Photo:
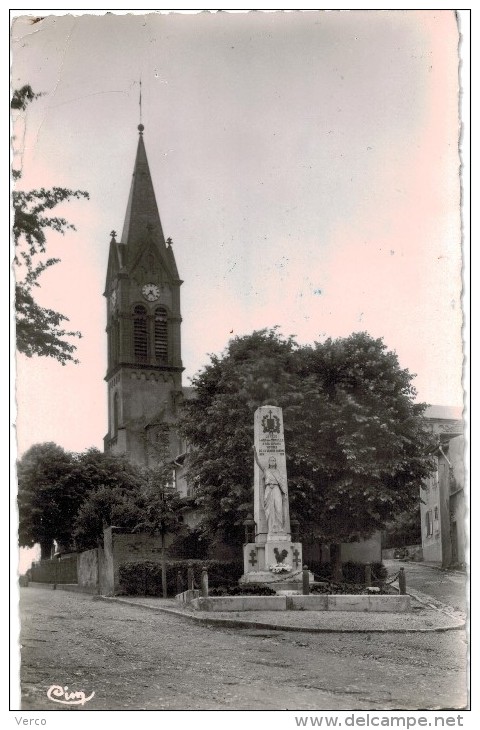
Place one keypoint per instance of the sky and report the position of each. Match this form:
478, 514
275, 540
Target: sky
305, 164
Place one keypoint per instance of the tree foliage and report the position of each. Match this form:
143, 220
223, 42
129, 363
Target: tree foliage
56, 490
47, 502
161, 506
71, 497
110, 499
356, 443
40, 331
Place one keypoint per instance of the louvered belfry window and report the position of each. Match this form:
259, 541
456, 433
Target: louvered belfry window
140, 333
161, 334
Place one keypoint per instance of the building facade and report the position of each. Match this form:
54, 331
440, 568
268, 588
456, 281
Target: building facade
442, 498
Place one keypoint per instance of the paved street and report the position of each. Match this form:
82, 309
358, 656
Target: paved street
449, 587
137, 659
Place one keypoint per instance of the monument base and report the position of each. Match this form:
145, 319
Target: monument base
263, 562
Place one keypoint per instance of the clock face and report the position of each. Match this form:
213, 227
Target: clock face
113, 298
151, 292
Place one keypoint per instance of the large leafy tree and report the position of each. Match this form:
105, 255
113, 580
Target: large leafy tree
356, 442
124, 495
40, 331
47, 503
112, 497
71, 497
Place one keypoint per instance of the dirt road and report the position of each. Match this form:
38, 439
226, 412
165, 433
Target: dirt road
136, 659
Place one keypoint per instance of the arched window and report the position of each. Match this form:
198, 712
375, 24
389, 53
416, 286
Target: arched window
161, 334
115, 414
140, 333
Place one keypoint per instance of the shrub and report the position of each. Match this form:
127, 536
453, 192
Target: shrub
250, 589
346, 589
145, 578
352, 572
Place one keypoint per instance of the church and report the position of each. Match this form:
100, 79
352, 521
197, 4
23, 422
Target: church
142, 291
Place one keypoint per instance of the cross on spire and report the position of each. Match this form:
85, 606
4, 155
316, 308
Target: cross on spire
140, 100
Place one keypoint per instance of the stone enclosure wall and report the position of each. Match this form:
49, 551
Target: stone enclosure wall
414, 552
97, 570
56, 570
88, 570
124, 547
360, 551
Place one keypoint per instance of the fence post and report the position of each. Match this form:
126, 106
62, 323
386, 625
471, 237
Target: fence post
305, 581
368, 575
179, 582
190, 578
204, 582
402, 582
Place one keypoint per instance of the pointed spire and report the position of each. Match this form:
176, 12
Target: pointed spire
171, 258
142, 212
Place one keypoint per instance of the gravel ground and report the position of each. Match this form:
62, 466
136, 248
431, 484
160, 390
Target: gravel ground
134, 658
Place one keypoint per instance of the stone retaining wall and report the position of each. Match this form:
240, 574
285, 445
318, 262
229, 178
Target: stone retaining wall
187, 596
361, 603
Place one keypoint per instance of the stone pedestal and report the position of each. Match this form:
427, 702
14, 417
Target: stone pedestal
258, 557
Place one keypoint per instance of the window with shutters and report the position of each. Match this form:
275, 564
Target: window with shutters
161, 334
140, 333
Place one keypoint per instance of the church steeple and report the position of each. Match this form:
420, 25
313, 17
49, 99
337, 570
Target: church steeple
142, 211
143, 322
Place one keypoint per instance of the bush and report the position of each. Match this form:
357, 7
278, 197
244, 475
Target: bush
346, 589
352, 572
144, 578
250, 589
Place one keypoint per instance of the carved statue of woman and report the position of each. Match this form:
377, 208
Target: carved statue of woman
274, 496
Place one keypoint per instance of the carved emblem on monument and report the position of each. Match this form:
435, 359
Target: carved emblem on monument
270, 423
280, 556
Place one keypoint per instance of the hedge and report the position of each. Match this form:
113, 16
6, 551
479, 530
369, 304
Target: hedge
249, 589
352, 572
144, 578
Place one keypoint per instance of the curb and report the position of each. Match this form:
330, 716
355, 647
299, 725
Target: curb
238, 623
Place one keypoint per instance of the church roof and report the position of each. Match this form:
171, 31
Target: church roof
142, 211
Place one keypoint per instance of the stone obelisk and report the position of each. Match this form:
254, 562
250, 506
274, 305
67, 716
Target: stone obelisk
271, 512
272, 558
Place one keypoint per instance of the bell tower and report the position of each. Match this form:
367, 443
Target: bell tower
142, 291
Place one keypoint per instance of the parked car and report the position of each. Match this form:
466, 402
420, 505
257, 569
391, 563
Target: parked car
401, 554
